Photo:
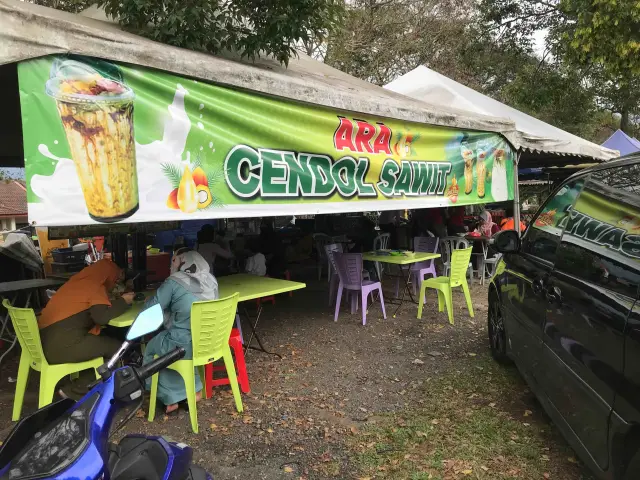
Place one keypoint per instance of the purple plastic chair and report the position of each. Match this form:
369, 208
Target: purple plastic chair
333, 276
349, 269
420, 269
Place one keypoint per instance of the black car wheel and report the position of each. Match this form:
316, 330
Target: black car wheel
497, 334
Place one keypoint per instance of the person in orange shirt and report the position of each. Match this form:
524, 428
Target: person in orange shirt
508, 222
70, 323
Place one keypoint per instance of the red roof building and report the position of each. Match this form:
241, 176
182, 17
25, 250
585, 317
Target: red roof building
13, 205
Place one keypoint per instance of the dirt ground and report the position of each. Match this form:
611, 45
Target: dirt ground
398, 398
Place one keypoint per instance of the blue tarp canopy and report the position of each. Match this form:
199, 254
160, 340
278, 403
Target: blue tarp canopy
622, 142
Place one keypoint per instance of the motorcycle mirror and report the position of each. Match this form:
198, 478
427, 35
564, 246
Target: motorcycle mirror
147, 321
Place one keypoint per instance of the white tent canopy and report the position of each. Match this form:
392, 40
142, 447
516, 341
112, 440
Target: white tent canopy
534, 137
30, 31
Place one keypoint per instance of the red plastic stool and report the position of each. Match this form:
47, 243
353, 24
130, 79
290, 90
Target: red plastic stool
235, 342
287, 276
270, 298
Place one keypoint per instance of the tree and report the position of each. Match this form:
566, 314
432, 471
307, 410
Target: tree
249, 27
620, 95
380, 40
604, 36
512, 73
73, 6
600, 38
603, 32
6, 175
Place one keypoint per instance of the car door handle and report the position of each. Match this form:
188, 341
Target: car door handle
537, 286
554, 295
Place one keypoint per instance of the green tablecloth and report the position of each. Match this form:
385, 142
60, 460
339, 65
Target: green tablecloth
250, 287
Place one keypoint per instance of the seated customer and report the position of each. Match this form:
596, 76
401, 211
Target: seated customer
210, 250
456, 221
508, 222
273, 248
190, 281
486, 226
70, 323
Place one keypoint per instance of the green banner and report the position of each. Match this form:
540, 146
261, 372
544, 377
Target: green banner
606, 223
595, 217
109, 143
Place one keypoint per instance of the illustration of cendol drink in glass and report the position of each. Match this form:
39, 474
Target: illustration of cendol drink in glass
481, 169
467, 156
499, 189
97, 116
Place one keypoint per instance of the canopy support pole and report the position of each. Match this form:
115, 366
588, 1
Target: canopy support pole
516, 195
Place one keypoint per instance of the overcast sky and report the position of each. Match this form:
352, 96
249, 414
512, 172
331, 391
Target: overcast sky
538, 40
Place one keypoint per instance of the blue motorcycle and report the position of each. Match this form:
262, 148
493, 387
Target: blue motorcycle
69, 440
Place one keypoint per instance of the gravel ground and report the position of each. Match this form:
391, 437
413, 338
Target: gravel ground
307, 410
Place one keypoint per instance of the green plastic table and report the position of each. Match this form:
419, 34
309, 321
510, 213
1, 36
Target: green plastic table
127, 318
250, 287
408, 258
413, 257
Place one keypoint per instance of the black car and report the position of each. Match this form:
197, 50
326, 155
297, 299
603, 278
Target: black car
563, 305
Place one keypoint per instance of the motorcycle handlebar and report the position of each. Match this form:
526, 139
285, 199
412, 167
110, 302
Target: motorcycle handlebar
158, 364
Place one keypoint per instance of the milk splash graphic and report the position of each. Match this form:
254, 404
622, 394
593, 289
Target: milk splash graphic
62, 189
499, 188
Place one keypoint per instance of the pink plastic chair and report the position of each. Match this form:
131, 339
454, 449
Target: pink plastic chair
420, 269
349, 269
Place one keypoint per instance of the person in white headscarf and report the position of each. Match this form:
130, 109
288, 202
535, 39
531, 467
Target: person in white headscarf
190, 281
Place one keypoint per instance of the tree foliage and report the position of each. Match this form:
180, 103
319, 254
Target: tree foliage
380, 40
9, 174
249, 27
72, 6
549, 91
603, 32
598, 38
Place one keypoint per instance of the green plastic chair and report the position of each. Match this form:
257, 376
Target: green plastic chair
26, 326
443, 285
211, 324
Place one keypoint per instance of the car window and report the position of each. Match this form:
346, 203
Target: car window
543, 234
601, 239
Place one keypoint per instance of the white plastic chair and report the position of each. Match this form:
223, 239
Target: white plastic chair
490, 264
321, 240
481, 259
381, 242
329, 250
